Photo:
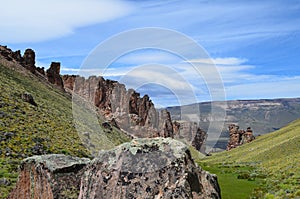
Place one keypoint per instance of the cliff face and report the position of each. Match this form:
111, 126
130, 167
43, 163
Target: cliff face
131, 112
143, 168
125, 109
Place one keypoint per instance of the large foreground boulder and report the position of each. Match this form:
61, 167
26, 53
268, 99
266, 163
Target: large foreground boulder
49, 177
144, 168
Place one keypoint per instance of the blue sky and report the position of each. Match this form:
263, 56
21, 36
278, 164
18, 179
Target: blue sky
254, 45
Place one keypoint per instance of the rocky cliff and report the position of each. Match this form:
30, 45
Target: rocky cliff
125, 109
133, 113
143, 168
28, 62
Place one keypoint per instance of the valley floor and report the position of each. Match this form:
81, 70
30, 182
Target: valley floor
265, 168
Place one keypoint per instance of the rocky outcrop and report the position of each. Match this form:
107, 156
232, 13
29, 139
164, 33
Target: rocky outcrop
143, 168
10, 55
131, 112
49, 176
199, 140
239, 137
28, 61
191, 133
125, 109
69, 82
53, 75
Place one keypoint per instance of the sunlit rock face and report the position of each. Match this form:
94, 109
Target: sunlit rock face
147, 168
142, 168
131, 112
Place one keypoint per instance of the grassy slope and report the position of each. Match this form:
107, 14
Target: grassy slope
49, 125
276, 155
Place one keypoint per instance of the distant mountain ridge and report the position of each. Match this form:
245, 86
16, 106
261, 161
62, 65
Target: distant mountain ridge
263, 116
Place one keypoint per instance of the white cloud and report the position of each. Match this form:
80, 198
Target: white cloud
189, 86
35, 20
273, 87
219, 61
149, 56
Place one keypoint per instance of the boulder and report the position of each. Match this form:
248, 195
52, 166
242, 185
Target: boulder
147, 168
142, 168
27, 97
49, 177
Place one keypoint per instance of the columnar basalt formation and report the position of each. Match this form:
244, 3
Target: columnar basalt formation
143, 168
239, 137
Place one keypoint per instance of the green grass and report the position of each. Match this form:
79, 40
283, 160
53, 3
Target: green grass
275, 155
50, 125
236, 181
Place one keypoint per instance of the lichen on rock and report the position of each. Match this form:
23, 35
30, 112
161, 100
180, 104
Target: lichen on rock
142, 168
147, 168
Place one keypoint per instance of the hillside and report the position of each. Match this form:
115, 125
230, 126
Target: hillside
32, 129
263, 116
275, 155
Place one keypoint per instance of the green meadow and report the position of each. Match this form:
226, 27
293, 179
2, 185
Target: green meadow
268, 167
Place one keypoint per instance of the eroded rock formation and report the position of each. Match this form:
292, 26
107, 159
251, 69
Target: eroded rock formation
143, 168
132, 113
192, 133
28, 62
125, 109
53, 75
239, 137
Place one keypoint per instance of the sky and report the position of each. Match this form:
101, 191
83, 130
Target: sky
247, 49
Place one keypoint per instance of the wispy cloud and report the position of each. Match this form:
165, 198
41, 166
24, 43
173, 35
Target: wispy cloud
272, 87
219, 61
34, 20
